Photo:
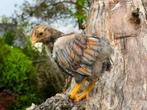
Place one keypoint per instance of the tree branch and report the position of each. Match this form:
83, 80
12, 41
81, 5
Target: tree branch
60, 102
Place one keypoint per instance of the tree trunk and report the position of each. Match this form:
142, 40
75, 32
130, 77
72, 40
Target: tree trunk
124, 88
123, 22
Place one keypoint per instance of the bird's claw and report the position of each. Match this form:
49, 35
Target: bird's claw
81, 96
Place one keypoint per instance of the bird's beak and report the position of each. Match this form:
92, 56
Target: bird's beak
34, 39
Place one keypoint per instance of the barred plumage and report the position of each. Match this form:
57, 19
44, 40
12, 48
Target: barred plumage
80, 53
82, 56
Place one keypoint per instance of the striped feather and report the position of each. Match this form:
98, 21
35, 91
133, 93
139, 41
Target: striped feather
78, 54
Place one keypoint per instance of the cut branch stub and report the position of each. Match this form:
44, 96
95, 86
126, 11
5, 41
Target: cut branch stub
60, 102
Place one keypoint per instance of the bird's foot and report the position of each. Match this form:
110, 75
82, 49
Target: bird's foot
75, 90
85, 93
81, 96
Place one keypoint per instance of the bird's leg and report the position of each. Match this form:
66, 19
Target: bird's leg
85, 93
76, 88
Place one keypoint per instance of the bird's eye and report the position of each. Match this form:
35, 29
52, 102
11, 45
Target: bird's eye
41, 33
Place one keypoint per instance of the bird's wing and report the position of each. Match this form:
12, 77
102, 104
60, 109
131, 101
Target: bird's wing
80, 54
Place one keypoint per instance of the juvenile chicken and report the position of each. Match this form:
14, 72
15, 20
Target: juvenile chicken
82, 56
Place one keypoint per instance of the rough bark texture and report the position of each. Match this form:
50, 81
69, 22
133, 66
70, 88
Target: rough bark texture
144, 3
60, 102
125, 87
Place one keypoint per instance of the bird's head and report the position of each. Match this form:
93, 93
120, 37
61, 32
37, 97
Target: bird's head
45, 34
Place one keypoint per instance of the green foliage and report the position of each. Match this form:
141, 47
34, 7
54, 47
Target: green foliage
49, 10
5, 19
20, 67
81, 12
3, 53
9, 37
18, 74
43, 9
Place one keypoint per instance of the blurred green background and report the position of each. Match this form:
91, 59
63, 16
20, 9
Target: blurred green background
25, 72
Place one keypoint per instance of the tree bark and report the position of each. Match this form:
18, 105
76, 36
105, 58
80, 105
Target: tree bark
125, 87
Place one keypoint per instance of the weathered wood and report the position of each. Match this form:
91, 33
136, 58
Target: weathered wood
144, 3
124, 87
60, 102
